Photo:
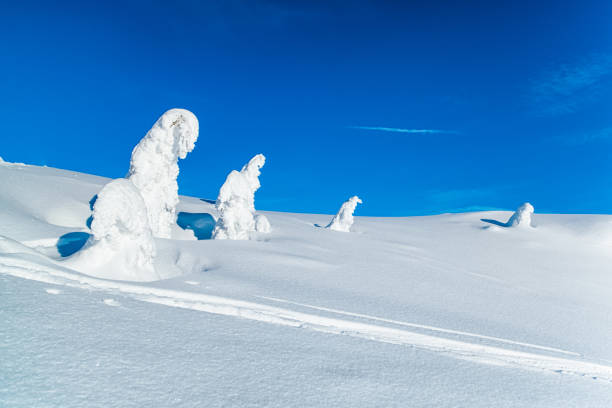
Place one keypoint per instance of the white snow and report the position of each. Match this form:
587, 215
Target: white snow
425, 311
154, 166
236, 203
121, 246
522, 216
343, 221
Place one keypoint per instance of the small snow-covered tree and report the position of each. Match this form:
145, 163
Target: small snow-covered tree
521, 217
344, 219
121, 245
154, 166
236, 203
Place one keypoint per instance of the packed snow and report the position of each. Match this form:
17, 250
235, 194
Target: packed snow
236, 203
447, 310
122, 245
343, 221
154, 166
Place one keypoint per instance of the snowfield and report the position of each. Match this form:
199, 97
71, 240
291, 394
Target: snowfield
452, 310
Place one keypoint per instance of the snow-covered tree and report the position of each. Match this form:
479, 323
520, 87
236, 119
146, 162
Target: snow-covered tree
236, 203
121, 245
344, 219
521, 217
154, 166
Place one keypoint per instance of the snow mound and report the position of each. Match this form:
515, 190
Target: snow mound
154, 166
344, 219
122, 245
236, 203
521, 217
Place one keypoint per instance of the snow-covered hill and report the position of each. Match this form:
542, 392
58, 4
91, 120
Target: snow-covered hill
447, 310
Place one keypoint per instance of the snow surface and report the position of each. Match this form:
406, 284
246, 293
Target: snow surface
448, 310
236, 204
121, 245
343, 221
154, 166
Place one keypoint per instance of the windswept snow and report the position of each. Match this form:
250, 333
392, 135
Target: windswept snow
343, 221
236, 203
154, 166
122, 245
522, 216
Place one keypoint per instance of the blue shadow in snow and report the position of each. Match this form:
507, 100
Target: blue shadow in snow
91, 206
206, 200
495, 222
202, 224
71, 242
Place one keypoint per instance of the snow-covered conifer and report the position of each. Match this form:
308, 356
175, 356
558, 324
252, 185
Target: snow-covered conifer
521, 217
262, 224
154, 166
121, 245
344, 219
236, 203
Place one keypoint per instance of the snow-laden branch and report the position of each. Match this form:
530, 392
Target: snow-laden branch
154, 166
521, 217
121, 245
344, 219
236, 203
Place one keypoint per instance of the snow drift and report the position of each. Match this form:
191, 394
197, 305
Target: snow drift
122, 245
521, 217
236, 203
154, 166
344, 219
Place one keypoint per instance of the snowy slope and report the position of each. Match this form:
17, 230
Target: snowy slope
446, 310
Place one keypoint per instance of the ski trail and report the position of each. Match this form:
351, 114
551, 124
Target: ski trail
421, 326
36, 267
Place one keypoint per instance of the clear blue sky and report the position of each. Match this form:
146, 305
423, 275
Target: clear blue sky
517, 97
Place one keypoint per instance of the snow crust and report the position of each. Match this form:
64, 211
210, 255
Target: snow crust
121, 245
236, 203
522, 216
154, 166
343, 221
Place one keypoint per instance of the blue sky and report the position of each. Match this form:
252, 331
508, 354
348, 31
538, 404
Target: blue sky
417, 108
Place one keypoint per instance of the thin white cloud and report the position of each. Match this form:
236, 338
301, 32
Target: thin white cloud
604, 134
400, 130
569, 87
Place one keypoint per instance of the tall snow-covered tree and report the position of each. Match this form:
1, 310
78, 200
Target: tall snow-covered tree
121, 243
344, 219
522, 216
154, 166
236, 203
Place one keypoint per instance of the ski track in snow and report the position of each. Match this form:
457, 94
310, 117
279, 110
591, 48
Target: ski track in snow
421, 326
18, 265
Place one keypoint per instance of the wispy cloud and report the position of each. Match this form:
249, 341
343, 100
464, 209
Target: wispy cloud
568, 87
588, 137
400, 130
